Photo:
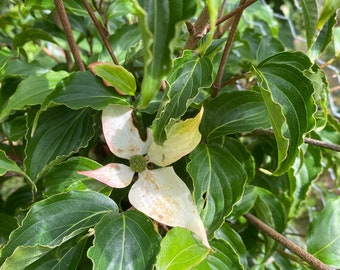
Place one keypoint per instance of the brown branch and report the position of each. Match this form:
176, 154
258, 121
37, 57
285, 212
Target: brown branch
68, 32
197, 30
100, 31
331, 146
304, 255
217, 84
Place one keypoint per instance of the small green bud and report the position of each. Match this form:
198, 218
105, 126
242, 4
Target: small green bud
137, 163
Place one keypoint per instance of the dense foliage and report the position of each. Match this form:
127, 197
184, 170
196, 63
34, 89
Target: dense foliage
247, 88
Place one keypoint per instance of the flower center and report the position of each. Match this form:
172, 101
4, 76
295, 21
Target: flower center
137, 163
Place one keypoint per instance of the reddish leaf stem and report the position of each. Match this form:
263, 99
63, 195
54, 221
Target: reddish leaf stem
68, 32
100, 31
307, 257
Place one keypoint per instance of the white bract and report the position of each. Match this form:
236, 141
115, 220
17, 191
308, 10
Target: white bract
158, 193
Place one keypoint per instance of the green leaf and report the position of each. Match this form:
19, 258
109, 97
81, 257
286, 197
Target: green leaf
189, 74
122, 41
116, 76
268, 46
15, 128
234, 112
82, 90
19, 68
8, 165
324, 38
288, 96
51, 222
179, 250
305, 170
158, 33
59, 133
32, 91
124, 241
229, 251
269, 209
310, 17
31, 34
219, 174
329, 7
323, 238
73, 6
7, 225
68, 254
64, 177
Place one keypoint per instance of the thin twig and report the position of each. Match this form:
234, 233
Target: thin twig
217, 84
68, 32
100, 31
307, 257
237, 10
331, 146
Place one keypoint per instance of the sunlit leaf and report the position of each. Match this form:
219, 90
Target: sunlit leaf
158, 33
8, 165
31, 34
288, 96
329, 7
124, 241
116, 76
234, 112
51, 222
32, 91
59, 133
323, 238
82, 90
179, 250
310, 17
189, 74
219, 178
229, 251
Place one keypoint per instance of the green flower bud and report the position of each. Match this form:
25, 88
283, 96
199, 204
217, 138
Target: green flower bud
137, 163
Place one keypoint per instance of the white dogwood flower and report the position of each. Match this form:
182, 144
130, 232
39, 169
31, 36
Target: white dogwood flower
158, 193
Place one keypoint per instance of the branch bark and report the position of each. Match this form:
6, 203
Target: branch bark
331, 146
68, 32
304, 255
100, 31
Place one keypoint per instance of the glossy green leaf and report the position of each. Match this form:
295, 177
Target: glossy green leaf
179, 250
288, 96
268, 46
31, 34
64, 177
83, 89
116, 76
189, 74
122, 40
51, 222
229, 251
219, 176
124, 241
269, 209
32, 91
59, 133
15, 128
21, 69
234, 112
324, 38
68, 254
329, 7
323, 238
310, 18
158, 47
306, 169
